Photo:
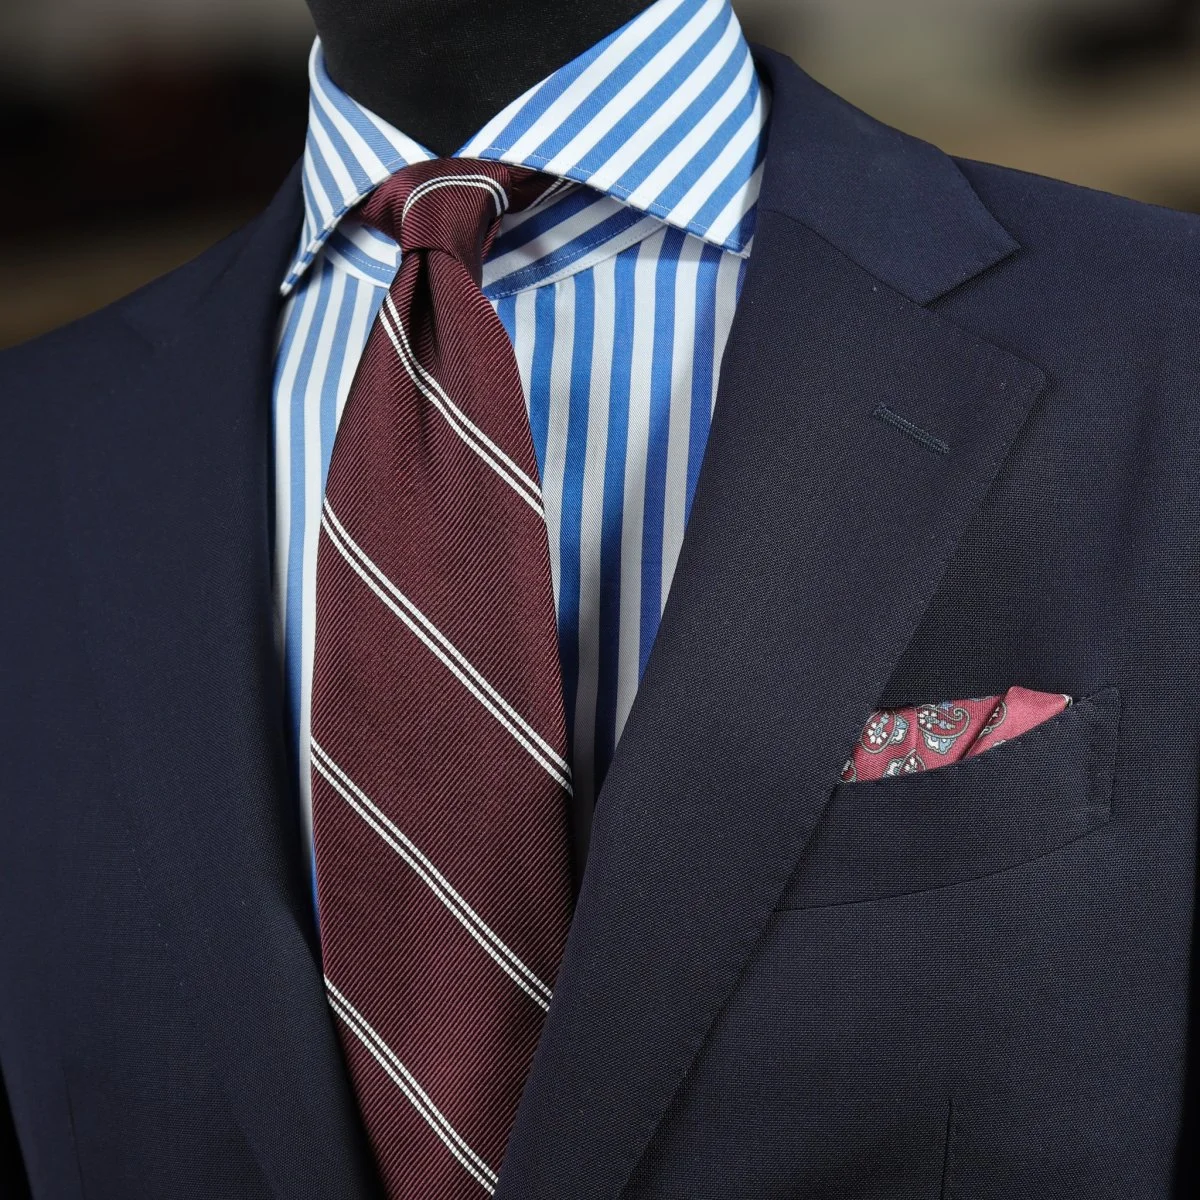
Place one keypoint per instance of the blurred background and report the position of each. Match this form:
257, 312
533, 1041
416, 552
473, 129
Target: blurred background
133, 133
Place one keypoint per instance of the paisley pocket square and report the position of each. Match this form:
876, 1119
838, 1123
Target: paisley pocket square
898, 741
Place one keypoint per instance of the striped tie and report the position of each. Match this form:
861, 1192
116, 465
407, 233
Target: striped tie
439, 749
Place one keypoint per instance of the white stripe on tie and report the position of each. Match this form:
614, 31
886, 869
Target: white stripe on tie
484, 182
521, 483
539, 749
417, 1096
437, 883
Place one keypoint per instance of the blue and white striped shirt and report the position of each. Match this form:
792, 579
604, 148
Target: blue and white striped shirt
618, 296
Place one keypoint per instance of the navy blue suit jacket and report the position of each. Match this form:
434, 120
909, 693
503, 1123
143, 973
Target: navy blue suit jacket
971, 983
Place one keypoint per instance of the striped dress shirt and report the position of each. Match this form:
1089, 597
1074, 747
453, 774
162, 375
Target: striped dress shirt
618, 296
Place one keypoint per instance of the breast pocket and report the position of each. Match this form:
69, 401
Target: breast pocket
973, 818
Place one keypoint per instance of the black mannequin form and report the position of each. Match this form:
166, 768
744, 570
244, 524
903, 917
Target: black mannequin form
440, 69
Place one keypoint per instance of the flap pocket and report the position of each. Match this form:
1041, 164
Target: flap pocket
975, 817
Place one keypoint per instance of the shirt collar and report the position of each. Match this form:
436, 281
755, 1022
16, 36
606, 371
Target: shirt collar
666, 115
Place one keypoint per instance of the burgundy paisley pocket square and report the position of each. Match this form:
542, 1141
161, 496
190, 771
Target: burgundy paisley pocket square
899, 741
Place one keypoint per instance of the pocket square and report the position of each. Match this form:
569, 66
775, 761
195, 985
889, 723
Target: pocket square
898, 741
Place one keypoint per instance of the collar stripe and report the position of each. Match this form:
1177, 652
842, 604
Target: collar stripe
648, 136
536, 261
664, 117
532, 117
383, 147
629, 76
722, 183
541, 222
667, 171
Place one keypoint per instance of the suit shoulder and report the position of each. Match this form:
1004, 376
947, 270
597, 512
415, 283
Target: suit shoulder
1118, 237
89, 357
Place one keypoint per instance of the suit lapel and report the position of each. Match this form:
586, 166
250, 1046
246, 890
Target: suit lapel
179, 611
854, 436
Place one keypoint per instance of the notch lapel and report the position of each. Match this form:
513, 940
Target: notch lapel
179, 613
854, 436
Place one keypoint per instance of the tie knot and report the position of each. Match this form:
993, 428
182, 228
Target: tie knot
452, 204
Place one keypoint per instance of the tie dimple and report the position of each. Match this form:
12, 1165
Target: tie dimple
454, 205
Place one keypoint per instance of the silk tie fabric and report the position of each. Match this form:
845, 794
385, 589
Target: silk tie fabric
439, 749
899, 741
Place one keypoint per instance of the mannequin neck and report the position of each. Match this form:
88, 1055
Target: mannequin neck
439, 70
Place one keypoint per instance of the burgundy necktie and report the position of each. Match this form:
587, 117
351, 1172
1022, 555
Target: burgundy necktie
439, 750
